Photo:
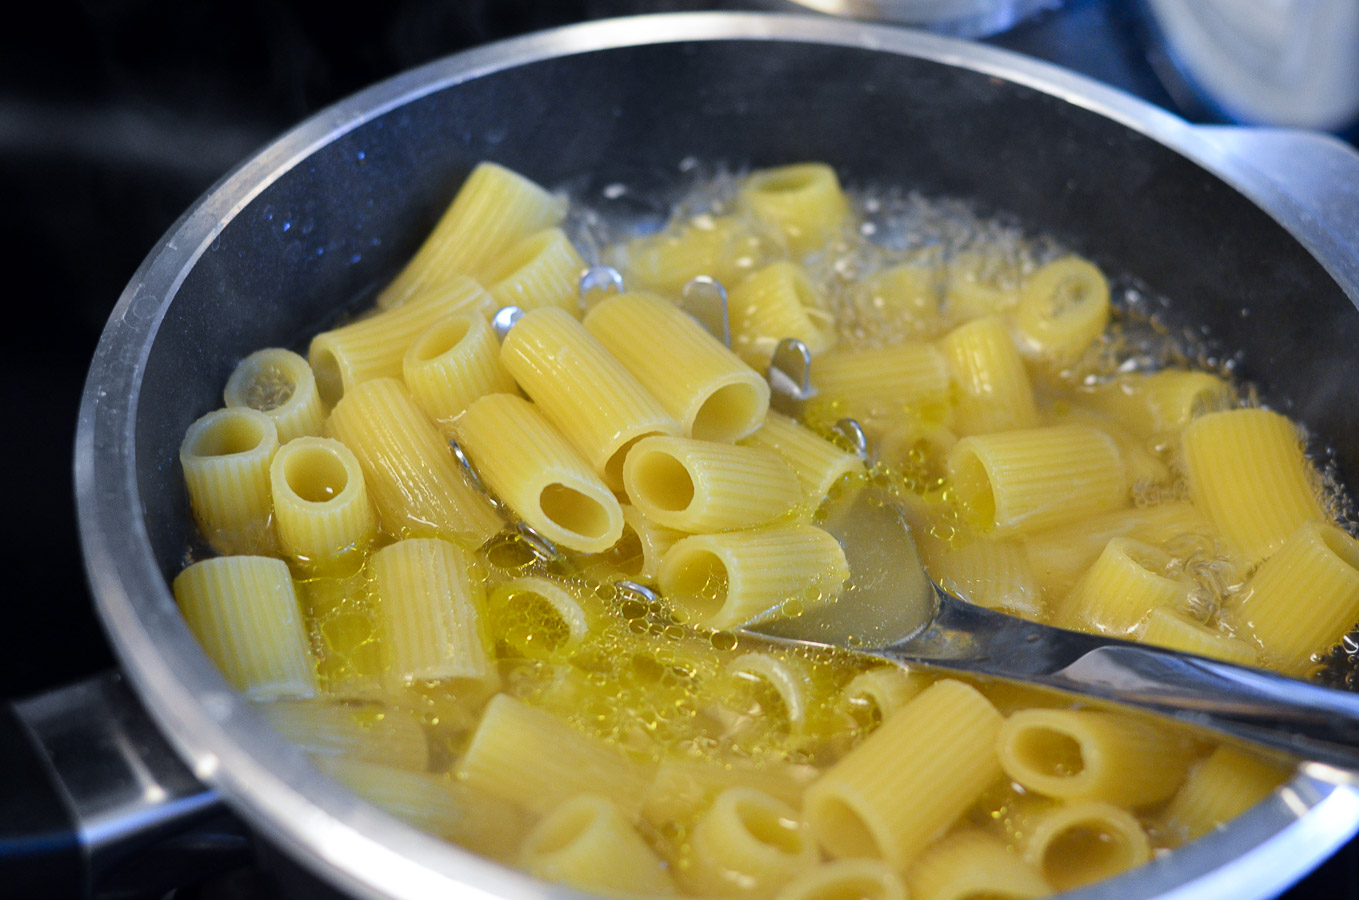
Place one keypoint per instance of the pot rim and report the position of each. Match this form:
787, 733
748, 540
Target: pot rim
268, 781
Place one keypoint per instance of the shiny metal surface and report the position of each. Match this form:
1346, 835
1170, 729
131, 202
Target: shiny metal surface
960, 18
326, 828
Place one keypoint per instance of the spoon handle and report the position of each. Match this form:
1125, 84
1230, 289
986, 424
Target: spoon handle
1303, 719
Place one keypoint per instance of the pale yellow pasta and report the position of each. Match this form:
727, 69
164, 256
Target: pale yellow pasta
531, 467
910, 780
432, 614
528, 757
970, 865
783, 676
747, 844
543, 269
724, 248
374, 347
1158, 402
590, 397
884, 383
1247, 473
917, 446
1177, 631
453, 362
845, 879
493, 209
804, 201
979, 285
321, 507
1148, 475
346, 635
818, 464
1302, 599
653, 541
1020, 482
225, 456
536, 617
280, 384
990, 573
365, 732
412, 479
701, 486
244, 611
1218, 789
878, 693
993, 389
683, 788
587, 843
722, 580
779, 301
1075, 844
438, 804
1125, 582
1063, 308
706, 388
908, 295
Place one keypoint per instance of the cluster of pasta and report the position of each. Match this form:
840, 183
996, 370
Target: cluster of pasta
390, 615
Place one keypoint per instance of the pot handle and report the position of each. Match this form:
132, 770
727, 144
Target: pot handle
96, 802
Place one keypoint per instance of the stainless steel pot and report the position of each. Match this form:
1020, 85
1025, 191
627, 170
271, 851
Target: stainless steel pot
1254, 232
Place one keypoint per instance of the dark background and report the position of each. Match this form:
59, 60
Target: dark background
116, 114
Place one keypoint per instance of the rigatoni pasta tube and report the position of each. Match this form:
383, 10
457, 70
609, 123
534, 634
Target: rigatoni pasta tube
1018, 482
700, 486
683, 788
1174, 630
590, 397
779, 301
321, 506
1218, 789
803, 200
1063, 308
882, 383
536, 618
1302, 599
979, 285
225, 456
818, 464
1152, 403
411, 476
1074, 844
366, 732
993, 389
587, 843
1088, 754
432, 615
1247, 472
493, 209
845, 879
707, 389
531, 467
909, 780
280, 384
908, 295
453, 362
1125, 583
993, 574
244, 611
526, 756
722, 580
971, 864
375, 346
724, 248
878, 693
543, 269
746, 845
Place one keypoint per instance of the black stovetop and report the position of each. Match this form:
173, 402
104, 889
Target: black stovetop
116, 114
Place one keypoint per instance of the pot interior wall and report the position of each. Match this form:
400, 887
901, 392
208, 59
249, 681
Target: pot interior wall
334, 226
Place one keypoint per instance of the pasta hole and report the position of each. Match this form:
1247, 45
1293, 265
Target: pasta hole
1085, 852
441, 337
628, 555
1049, 752
972, 484
329, 381
696, 583
315, 474
270, 387
729, 413
662, 481
229, 434
574, 511
613, 469
769, 828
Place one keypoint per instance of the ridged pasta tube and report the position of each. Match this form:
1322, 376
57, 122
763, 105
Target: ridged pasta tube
432, 612
803, 200
779, 301
746, 845
644, 543
707, 389
587, 843
366, 732
1088, 754
845, 879
1020, 482
1177, 631
722, 580
785, 678
877, 694
536, 618
225, 456
1247, 472
590, 397
244, 611
884, 383
1147, 404
725, 248
818, 464
374, 347
970, 864
411, 476
683, 788
493, 209
910, 780
280, 384
1126, 582
993, 389
699, 486
993, 574
321, 506
1218, 789
526, 756
980, 284
452, 363
1075, 844
1063, 308
1302, 599
543, 269
531, 467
